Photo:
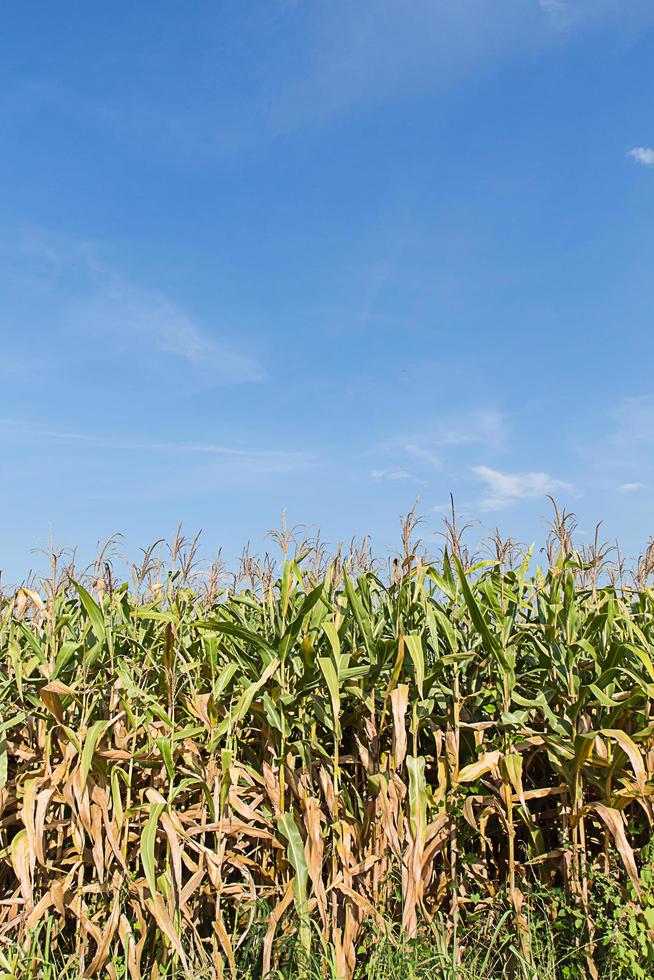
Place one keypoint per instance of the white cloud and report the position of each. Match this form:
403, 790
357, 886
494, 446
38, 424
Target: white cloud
567, 14
557, 10
643, 155
390, 474
126, 318
624, 456
422, 454
506, 488
26, 430
358, 54
244, 459
485, 427
94, 313
315, 61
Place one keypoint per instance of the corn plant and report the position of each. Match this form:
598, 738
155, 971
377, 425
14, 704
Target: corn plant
317, 754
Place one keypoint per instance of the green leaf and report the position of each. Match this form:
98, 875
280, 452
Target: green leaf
93, 736
3, 763
291, 634
93, 611
363, 619
297, 859
445, 625
329, 673
148, 840
165, 747
489, 641
413, 643
274, 716
241, 633
224, 679
155, 615
334, 640
417, 796
243, 705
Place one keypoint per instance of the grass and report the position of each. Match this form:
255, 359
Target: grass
324, 769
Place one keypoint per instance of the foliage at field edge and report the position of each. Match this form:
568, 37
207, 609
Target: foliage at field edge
191, 780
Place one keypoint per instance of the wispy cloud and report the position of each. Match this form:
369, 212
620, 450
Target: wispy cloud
484, 425
643, 155
121, 315
422, 453
273, 459
429, 448
96, 314
394, 475
315, 61
504, 489
359, 54
623, 459
567, 14
557, 10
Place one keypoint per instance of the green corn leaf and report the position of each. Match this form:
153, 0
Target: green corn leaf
166, 748
93, 611
417, 796
243, 705
362, 618
334, 640
490, 642
147, 848
4, 763
224, 678
297, 859
93, 736
413, 643
329, 673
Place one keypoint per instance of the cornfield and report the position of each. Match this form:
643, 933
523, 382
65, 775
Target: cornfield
318, 753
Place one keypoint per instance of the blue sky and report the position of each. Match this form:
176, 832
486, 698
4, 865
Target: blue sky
328, 256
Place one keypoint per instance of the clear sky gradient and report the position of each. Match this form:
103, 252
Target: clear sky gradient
324, 255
